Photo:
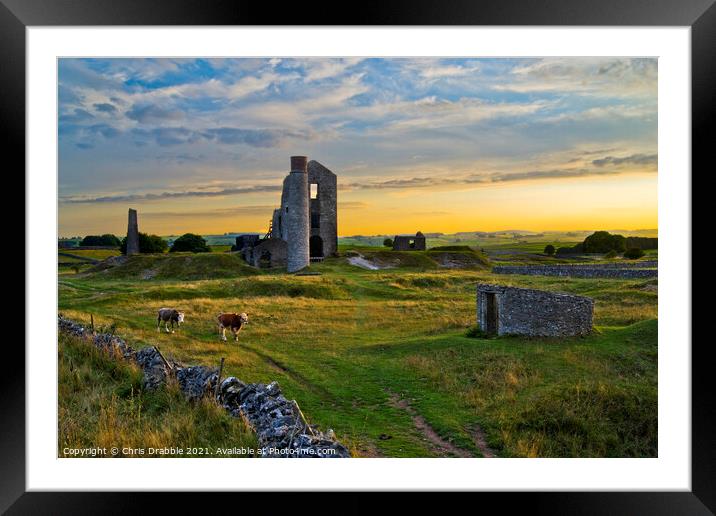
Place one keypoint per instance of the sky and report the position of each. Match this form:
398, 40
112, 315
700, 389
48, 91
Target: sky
430, 144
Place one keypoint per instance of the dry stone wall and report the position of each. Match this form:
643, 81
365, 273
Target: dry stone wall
606, 270
279, 424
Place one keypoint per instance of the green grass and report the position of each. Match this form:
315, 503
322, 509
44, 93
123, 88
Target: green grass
344, 342
102, 404
178, 266
95, 254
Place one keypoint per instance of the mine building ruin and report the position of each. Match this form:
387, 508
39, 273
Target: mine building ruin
409, 242
132, 233
535, 313
304, 228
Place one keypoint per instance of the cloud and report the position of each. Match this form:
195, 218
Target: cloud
252, 137
147, 113
219, 212
166, 136
478, 179
172, 195
105, 107
78, 115
634, 159
352, 205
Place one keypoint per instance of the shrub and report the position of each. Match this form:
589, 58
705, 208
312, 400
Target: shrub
388, 242
611, 254
147, 244
549, 250
189, 242
633, 253
576, 249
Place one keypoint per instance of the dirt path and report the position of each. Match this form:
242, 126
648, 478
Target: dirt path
437, 443
480, 440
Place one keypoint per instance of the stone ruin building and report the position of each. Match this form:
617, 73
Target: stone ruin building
520, 311
132, 233
304, 228
409, 242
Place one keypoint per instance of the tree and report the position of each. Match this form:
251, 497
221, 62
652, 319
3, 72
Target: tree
147, 244
603, 242
388, 242
633, 253
549, 250
189, 242
101, 240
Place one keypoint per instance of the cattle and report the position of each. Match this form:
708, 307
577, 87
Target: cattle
169, 315
234, 322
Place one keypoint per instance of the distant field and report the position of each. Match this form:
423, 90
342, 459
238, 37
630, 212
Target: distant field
366, 352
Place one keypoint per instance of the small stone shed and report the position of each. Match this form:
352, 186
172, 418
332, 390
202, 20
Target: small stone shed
409, 242
521, 311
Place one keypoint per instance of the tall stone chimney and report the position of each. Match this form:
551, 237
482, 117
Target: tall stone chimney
297, 214
132, 233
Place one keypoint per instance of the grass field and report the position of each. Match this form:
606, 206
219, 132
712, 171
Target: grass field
384, 357
102, 405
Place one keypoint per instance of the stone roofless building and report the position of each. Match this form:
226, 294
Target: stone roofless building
409, 242
306, 222
535, 313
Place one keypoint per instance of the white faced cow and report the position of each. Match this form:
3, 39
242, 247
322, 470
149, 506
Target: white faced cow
232, 321
169, 315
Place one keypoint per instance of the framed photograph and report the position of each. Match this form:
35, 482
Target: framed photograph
424, 241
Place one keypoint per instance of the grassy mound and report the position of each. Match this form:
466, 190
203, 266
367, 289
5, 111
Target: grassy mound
459, 257
102, 404
390, 258
183, 266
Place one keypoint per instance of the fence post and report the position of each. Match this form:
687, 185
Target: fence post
169, 367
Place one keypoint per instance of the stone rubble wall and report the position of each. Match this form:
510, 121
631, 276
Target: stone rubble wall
604, 270
279, 424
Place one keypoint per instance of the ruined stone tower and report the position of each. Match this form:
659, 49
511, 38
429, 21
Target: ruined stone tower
296, 214
132, 233
305, 228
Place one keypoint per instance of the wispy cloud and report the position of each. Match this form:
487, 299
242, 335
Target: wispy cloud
171, 195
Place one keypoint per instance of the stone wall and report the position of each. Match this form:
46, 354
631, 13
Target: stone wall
606, 270
276, 249
536, 313
325, 205
280, 426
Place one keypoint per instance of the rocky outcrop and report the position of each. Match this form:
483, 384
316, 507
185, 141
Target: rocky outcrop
279, 424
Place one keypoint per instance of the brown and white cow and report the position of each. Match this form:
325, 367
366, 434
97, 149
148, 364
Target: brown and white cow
234, 322
169, 315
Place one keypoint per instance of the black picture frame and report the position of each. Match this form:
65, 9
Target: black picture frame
699, 15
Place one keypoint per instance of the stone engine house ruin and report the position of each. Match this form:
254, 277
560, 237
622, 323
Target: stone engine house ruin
409, 242
305, 227
520, 311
